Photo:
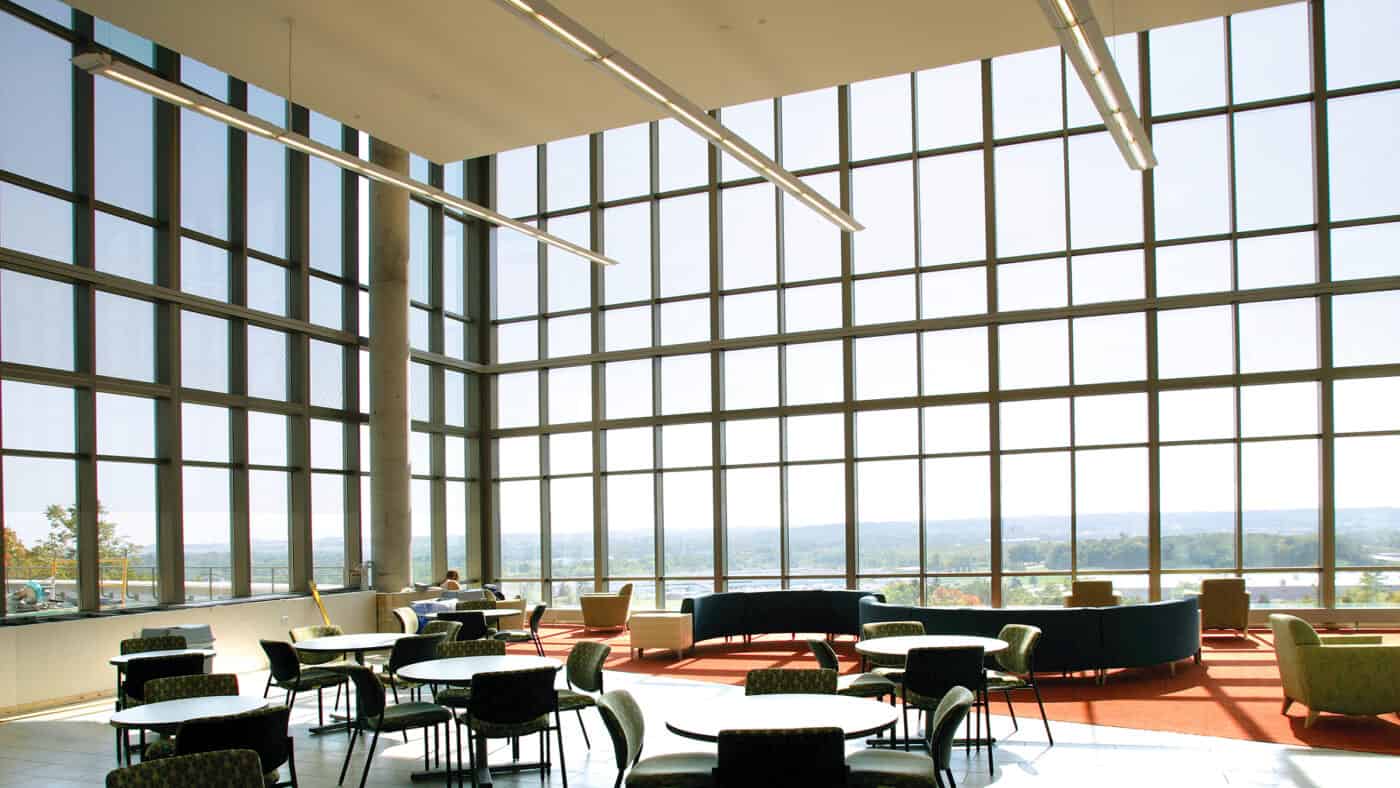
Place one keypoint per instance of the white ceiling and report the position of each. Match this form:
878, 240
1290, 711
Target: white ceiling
452, 79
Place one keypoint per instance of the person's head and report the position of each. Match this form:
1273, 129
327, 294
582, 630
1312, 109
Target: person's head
452, 575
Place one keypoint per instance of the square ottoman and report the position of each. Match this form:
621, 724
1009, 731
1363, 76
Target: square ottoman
660, 629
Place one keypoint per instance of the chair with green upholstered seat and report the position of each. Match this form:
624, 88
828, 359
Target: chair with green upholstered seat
531, 635
860, 685
1017, 671
512, 704
199, 685
894, 769
407, 651
408, 620
139, 674
790, 681
931, 673
456, 697
315, 658
624, 720
1342, 674
221, 769
289, 676
448, 629
160, 643
889, 667
583, 673
263, 731
764, 758
373, 715
464, 605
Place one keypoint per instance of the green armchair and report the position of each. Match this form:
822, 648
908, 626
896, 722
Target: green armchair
1342, 674
1224, 604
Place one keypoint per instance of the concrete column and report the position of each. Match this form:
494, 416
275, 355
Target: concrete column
391, 502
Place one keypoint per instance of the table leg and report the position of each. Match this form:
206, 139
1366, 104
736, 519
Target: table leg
483, 769
342, 721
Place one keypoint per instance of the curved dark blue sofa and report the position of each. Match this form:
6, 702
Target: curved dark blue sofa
1072, 638
760, 612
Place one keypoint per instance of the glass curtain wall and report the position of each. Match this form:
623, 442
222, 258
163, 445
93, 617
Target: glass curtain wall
183, 351
1035, 364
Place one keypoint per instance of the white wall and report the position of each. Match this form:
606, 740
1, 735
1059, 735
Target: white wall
51, 663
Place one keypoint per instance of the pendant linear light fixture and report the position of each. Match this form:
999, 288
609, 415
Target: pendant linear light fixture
598, 52
102, 64
1084, 43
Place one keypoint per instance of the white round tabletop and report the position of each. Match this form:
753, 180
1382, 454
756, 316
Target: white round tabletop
174, 652
173, 712
901, 646
498, 612
855, 717
459, 670
363, 641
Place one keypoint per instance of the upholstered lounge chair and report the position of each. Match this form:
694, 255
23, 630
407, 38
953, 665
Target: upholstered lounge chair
1224, 604
1092, 593
606, 611
1343, 674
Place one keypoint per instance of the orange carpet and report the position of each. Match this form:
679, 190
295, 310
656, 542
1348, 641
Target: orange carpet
1235, 692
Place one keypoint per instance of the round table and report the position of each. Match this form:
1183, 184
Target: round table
120, 661
901, 646
170, 713
493, 613
459, 670
357, 644
856, 717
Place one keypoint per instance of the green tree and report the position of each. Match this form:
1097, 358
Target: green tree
61, 543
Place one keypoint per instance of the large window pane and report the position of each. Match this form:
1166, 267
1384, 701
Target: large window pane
631, 529
816, 507
887, 515
752, 516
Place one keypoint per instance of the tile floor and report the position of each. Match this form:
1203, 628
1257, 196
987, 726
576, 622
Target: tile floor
74, 746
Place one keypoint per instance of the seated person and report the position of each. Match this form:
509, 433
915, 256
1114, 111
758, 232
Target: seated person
452, 581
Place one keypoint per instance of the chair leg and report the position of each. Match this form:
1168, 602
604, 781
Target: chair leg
951, 782
583, 728
987, 707
906, 727
292, 762
559, 728
354, 734
336, 704
320, 706
1015, 726
471, 751
427, 764
1287, 701
268, 686
369, 756
1035, 685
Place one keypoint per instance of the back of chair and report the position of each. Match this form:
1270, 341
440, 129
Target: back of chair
584, 669
932, 672
281, 660
943, 728
162, 643
448, 629
408, 620
536, 615
790, 681
473, 623
201, 685
626, 724
221, 769
1019, 656
488, 647
625, 591
889, 629
263, 731
825, 654
512, 697
414, 648
141, 671
369, 695
476, 604
762, 758
316, 631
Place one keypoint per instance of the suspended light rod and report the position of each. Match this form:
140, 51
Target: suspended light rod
102, 64
1087, 50
601, 54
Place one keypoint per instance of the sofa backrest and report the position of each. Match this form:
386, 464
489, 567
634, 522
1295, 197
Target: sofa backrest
1072, 638
759, 612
